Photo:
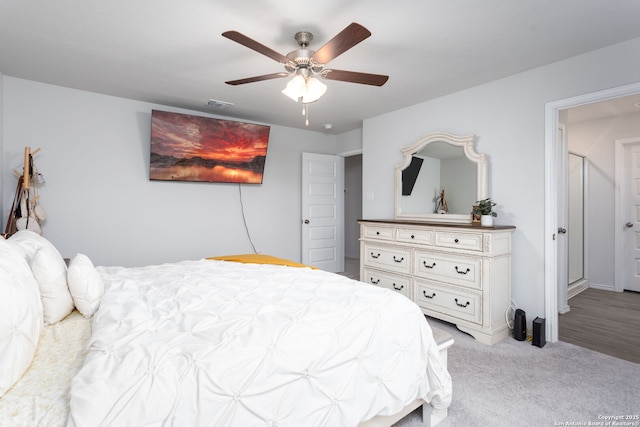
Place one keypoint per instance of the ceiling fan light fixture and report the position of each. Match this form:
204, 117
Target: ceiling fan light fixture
295, 88
304, 89
314, 90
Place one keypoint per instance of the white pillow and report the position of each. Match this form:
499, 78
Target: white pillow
20, 315
85, 284
29, 242
50, 271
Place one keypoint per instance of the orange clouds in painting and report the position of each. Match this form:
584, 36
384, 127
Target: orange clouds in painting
185, 142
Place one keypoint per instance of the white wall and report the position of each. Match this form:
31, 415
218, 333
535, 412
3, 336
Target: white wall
2, 167
100, 201
595, 139
349, 143
508, 117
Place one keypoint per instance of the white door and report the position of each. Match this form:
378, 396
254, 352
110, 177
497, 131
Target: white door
323, 211
631, 217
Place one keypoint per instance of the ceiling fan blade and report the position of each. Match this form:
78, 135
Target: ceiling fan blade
343, 41
355, 77
258, 47
256, 79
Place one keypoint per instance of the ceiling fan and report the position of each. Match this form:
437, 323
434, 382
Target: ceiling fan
307, 63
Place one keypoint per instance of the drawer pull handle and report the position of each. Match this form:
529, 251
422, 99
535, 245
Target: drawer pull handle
398, 260
428, 266
375, 256
375, 282
398, 288
462, 305
377, 233
462, 272
429, 296
413, 237
456, 240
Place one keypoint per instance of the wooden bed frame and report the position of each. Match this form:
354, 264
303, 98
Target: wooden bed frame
430, 415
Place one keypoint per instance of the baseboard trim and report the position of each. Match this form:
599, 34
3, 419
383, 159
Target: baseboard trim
576, 287
602, 287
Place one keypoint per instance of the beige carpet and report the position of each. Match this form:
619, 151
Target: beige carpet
513, 383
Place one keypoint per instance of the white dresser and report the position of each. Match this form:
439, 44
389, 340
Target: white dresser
460, 273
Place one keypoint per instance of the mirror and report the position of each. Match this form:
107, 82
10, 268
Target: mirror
440, 178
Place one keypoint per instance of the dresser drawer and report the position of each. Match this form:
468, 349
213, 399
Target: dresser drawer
387, 258
459, 303
377, 232
468, 241
458, 270
399, 284
411, 235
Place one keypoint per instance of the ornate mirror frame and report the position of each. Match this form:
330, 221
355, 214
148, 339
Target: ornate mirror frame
468, 145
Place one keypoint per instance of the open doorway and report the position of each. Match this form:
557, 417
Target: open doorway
352, 213
592, 133
592, 124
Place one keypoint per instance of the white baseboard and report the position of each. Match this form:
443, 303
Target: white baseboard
576, 287
603, 287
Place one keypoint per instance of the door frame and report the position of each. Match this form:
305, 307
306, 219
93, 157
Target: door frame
620, 145
551, 193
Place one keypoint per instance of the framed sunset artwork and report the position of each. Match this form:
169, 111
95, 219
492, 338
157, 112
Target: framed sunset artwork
194, 148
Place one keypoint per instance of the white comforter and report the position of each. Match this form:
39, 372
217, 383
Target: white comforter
219, 343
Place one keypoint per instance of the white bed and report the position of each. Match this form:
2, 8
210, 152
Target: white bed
41, 397
230, 344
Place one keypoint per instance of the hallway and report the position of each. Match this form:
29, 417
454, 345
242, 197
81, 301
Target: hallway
604, 321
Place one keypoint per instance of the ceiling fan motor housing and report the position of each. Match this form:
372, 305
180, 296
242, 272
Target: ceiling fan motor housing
301, 57
303, 38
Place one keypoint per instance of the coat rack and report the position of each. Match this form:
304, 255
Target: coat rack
26, 213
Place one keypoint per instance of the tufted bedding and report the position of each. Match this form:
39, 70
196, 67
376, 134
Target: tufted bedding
220, 343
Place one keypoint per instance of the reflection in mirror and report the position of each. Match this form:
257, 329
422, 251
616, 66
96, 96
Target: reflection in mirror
436, 168
440, 179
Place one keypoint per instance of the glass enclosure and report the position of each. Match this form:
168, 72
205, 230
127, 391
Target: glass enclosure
576, 217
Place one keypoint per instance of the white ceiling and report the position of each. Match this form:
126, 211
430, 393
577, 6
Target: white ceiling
629, 104
171, 52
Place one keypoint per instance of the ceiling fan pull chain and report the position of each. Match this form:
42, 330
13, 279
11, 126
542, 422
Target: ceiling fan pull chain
306, 113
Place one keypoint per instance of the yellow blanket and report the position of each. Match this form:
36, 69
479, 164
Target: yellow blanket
260, 259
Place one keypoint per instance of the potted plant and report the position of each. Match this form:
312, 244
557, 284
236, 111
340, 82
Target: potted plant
484, 208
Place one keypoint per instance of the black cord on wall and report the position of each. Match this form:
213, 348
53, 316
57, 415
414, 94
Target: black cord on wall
245, 220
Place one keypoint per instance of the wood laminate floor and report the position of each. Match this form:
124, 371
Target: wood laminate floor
604, 321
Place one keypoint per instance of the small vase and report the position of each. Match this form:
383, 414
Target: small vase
486, 220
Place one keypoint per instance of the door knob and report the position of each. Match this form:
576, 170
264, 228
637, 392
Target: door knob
306, 221
629, 224
562, 230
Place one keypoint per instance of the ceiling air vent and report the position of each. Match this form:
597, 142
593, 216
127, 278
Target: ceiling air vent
219, 105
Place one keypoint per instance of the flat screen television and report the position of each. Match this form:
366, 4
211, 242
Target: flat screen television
410, 175
195, 148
